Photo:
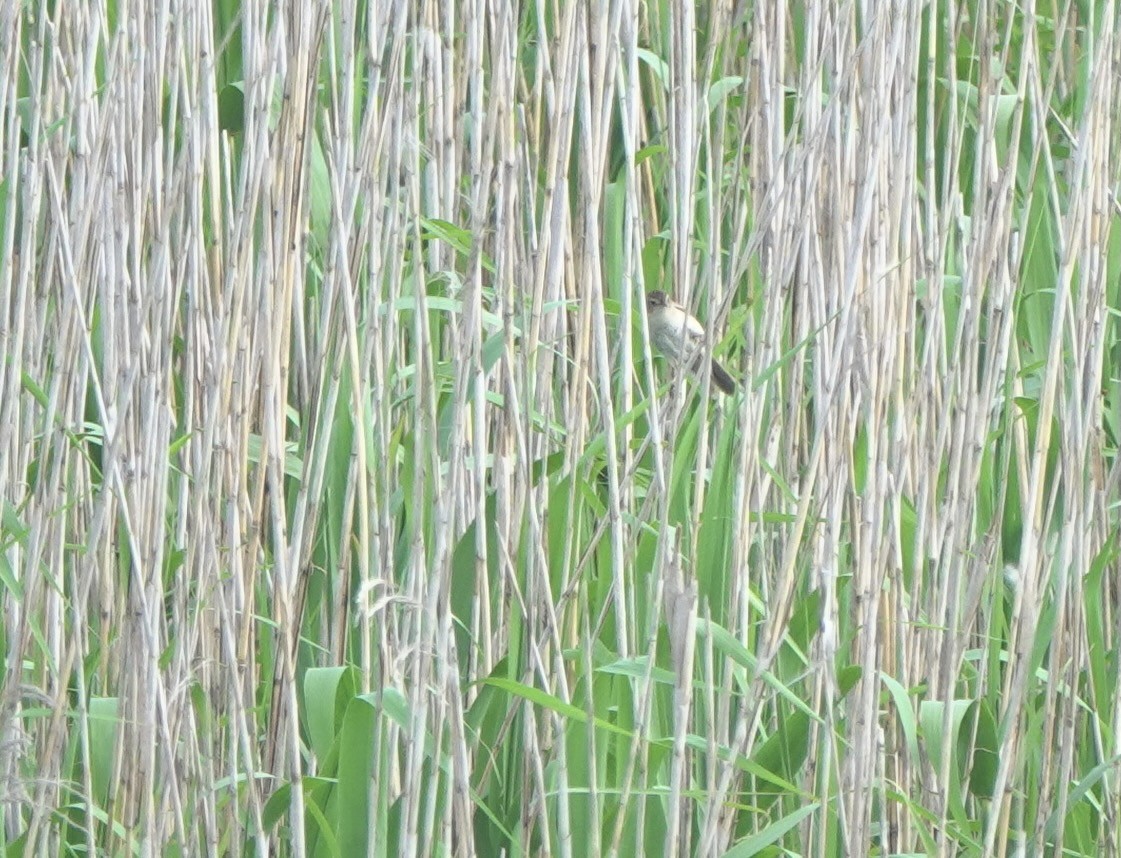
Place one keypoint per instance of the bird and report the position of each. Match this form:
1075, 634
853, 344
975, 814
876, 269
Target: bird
680, 337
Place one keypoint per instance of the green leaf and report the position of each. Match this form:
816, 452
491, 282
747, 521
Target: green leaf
104, 727
657, 65
322, 703
772, 834
719, 90
356, 768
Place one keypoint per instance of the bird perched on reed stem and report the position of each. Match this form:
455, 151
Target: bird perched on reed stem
680, 337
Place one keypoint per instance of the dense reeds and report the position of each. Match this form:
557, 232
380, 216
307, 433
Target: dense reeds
345, 509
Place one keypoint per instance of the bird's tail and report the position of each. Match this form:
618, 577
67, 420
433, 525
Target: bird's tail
722, 380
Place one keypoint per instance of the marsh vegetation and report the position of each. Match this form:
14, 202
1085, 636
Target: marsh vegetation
346, 510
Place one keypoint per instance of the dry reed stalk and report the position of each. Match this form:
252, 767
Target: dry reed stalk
246, 377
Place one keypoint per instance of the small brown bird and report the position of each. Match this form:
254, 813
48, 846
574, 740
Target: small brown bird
679, 336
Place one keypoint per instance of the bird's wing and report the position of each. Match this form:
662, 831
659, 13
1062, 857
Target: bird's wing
694, 329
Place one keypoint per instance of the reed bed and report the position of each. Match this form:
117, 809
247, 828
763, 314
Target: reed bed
347, 511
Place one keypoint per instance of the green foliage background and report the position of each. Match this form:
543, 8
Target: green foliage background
346, 510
